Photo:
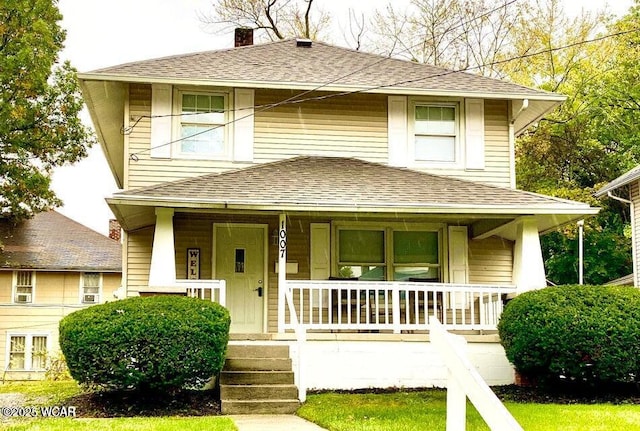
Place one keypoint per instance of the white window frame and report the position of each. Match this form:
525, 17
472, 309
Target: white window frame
28, 349
14, 292
389, 229
458, 161
82, 287
226, 154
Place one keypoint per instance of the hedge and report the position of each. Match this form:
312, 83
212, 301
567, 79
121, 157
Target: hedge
587, 334
158, 342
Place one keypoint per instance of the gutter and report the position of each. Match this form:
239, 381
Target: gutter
382, 89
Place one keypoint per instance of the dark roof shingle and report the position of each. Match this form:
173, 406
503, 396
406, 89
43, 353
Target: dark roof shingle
283, 62
342, 182
52, 241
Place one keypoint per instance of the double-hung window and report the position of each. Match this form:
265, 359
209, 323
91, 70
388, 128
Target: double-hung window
90, 289
27, 352
202, 124
389, 253
361, 254
435, 133
23, 291
416, 255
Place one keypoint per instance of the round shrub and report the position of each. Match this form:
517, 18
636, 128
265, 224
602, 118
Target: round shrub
585, 334
157, 342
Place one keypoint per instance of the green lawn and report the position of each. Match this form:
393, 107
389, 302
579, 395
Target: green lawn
427, 410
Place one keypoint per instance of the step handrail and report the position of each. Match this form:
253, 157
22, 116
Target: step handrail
464, 382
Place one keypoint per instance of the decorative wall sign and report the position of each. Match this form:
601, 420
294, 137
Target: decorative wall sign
193, 263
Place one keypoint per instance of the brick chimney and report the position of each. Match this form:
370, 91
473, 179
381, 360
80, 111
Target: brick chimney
114, 230
243, 36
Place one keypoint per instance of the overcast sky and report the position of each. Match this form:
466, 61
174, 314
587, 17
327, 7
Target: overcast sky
108, 32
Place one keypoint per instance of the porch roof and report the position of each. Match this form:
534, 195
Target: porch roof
333, 184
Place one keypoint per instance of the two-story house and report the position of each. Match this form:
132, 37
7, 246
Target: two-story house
351, 193
50, 266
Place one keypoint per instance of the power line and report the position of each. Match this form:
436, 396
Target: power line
271, 105
295, 100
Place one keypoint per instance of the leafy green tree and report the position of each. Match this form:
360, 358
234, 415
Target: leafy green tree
40, 103
574, 150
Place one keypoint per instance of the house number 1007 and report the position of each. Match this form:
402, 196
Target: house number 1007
283, 240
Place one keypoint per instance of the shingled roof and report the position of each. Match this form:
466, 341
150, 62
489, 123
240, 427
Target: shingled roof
284, 64
335, 182
624, 179
51, 241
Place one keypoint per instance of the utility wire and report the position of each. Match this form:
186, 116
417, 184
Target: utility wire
127, 130
295, 100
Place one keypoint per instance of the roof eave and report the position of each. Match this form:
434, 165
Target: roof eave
350, 206
405, 90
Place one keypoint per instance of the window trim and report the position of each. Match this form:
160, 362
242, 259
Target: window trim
457, 104
81, 288
388, 229
14, 290
28, 350
176, 128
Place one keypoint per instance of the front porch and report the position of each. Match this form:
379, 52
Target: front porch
338, 306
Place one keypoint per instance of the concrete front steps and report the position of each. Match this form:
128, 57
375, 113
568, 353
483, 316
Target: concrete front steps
258, 379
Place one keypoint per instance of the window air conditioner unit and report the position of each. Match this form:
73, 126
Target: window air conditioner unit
23, 297
90, 298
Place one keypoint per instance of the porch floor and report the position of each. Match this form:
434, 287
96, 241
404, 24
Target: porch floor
478, 336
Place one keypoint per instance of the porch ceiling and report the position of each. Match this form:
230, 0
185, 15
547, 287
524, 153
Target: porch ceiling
344, 186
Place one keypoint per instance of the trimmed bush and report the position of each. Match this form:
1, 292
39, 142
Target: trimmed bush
159, 342
586, 334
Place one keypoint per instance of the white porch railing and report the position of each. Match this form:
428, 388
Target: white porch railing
464, 381
395, 306
213, 290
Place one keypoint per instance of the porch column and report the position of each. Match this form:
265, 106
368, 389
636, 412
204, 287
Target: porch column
282, 270
528, 267
163, 256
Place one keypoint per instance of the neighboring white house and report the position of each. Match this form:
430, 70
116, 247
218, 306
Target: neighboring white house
385, 188
626, 188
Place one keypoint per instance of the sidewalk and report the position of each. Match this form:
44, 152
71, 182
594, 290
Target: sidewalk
273, 423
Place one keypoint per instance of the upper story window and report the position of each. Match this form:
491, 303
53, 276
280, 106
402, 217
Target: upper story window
435, 137
202, 129
24, 282
90, 289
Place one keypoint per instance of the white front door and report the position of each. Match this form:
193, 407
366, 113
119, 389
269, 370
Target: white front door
240, 260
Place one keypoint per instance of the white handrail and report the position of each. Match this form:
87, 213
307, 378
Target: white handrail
465, 381
393, 306
215, 290
301, 338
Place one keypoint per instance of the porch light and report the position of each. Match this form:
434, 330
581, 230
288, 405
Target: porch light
274, 237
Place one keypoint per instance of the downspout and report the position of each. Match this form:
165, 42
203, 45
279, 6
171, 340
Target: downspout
618, 198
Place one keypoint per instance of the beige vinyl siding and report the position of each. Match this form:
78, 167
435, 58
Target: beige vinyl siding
138, 260
147, 171
349, 126
345, 126
634, 192
491, 261
497, 160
